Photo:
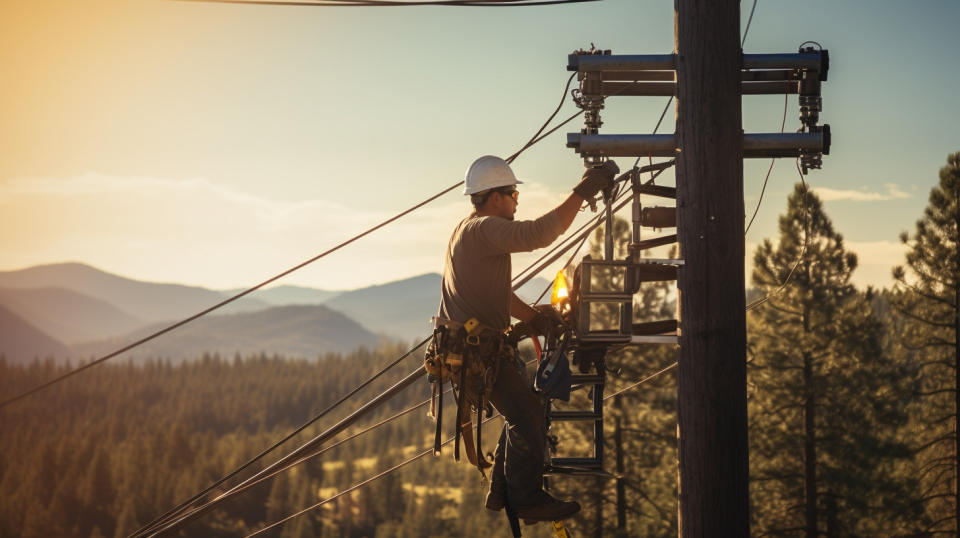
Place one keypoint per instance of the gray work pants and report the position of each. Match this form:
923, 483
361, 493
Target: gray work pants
518, 460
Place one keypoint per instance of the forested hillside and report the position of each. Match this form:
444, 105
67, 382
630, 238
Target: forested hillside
124, 443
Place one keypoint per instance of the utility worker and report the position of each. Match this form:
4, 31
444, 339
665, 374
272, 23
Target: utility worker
476, 285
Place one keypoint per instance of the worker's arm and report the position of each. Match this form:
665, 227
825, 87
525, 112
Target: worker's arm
521, 310
568, 210
505, 236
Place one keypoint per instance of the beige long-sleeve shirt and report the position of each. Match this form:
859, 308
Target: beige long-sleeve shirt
476, 273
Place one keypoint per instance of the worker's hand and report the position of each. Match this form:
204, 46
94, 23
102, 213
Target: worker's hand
546, 321
595, 180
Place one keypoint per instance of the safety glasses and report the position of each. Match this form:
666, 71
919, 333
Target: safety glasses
511, 192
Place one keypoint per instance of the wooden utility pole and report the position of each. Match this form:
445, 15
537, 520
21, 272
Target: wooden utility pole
712, 370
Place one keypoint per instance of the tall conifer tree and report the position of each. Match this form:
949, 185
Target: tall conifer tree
822, 422
927, 294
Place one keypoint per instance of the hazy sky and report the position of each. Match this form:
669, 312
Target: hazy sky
218, 144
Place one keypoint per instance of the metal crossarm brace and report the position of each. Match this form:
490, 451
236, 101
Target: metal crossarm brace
755, 145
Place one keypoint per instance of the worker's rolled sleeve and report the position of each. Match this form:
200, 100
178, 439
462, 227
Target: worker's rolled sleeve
505, 236
476, 275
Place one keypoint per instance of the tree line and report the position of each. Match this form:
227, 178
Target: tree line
852, 400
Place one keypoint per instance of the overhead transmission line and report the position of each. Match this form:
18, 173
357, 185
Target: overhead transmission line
537, 137
803, 250
766, 178
630, 387
580, 235
806, 206
167, 516
166, 520
179, 508
749, 20
425, 453
225, 302
398, 3
260, 479
178, 515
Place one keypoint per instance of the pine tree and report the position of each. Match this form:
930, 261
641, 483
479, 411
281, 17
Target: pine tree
822, 420
927, 295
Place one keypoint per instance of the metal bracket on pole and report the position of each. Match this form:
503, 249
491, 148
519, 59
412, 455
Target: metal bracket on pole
805, 59
653, 74
755, 145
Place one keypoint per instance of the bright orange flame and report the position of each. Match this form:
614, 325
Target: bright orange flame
560, 293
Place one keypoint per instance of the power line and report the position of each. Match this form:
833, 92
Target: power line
419, 456
388, 3
533, 140
321, 451
657, 126
617, 197
178, 512
803, 251
251, 482
170, 514
402, 413
749, 20
225, 302
763, 189
180, 507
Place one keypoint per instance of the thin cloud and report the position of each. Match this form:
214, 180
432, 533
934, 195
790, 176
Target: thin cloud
893, 192
199, 232
875, 259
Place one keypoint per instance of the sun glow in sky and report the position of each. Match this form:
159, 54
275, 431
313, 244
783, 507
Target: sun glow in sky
217, 144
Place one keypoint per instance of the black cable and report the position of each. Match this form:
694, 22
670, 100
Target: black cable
398, 415
662, 114
180, 507
569, 260
388, 3
533, 138
421, 455
323, 450
227, 301
763, 189
803, 251
616, 198
551, 131
749, 20
169, 515
559, 245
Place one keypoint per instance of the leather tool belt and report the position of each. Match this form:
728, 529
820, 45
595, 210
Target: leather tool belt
468, 355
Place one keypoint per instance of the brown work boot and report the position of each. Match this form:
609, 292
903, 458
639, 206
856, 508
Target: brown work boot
547, 508
496, 496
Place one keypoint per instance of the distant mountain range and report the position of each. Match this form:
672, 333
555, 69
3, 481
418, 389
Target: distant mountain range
292, 331
69, 316
75, 310
148, 301
287, 294
21, 341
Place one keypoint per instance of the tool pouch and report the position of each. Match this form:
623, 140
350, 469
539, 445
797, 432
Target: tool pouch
469, 356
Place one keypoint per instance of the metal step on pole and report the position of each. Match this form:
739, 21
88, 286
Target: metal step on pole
582, 465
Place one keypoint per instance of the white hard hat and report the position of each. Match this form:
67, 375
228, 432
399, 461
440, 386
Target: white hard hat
488, 172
